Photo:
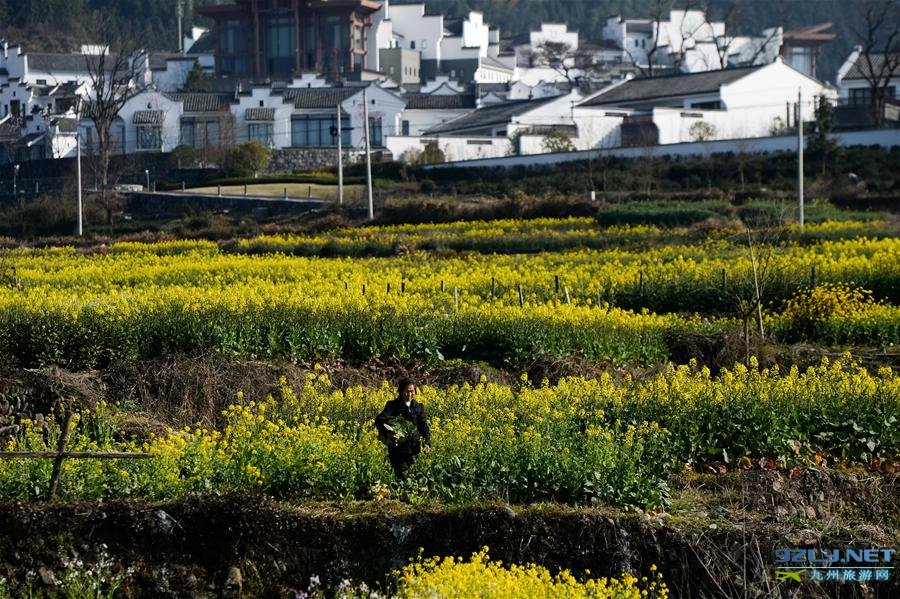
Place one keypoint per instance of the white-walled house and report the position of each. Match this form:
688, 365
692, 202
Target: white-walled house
687, 38
737, 103
854, 76
425, 111
494, 129
465, 49
263, 116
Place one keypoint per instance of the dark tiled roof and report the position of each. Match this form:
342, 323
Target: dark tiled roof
30, 139
319, 97
66, 125
149, 117
202, 102
439, 102
158, 60
45, 61
488, 116
259, 114
205, 44
860, 68
667, 86
494, 63
454, 26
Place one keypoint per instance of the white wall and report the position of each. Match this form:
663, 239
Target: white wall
152, 100
175, 74
486, 74
423, 120
475, 33
380, 35
261, 97
454, 148
386, 106
755, 100
598, 128
409, 20
554, 32
885, 138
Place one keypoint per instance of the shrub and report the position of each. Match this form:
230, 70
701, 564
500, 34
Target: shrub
247, 159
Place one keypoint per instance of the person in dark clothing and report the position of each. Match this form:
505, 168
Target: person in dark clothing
403, 449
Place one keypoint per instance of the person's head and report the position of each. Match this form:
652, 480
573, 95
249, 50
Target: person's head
406, 390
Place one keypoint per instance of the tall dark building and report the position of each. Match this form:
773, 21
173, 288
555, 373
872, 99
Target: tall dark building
281, 38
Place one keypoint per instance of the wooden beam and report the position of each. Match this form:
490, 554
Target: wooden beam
101, 455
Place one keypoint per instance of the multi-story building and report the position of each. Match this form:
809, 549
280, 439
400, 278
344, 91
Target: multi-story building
281, 38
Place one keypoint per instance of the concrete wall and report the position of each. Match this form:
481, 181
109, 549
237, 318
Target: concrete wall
454, 148
885, 138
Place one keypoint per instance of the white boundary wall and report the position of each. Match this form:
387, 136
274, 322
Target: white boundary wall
885, 138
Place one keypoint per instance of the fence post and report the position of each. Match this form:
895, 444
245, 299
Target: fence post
556, 284
521, 297
285, 193
218, 190
346, 286
388, 287
456, 297
812, 275
364, 288
442, 286
724, 280
245, 189
60, 449
566, 290
402, 286
493, 283
641, 287
183, 186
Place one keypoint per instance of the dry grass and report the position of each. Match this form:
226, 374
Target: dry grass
294, 190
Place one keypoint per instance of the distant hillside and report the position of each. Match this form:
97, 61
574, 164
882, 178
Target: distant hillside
61, 25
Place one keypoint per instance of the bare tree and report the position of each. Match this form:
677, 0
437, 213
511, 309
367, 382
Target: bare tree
578, 66
725, 44
115, 70
659, 13
879, 50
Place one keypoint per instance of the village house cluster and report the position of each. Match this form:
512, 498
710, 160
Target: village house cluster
287, 72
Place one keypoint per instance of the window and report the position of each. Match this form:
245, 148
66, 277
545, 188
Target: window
358, 38
314, 130
261, 132
280, 45
375, 134
309, 42
636, 43
424, 44
200, 132
149, 137
233, 48
861, 95
412, 45
404, 128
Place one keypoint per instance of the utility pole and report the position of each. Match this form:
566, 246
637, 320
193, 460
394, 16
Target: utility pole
178, 13
800, 155
368, 156
78, 153
340, 160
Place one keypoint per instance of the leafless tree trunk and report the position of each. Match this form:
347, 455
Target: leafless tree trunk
879, 56
116, 75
